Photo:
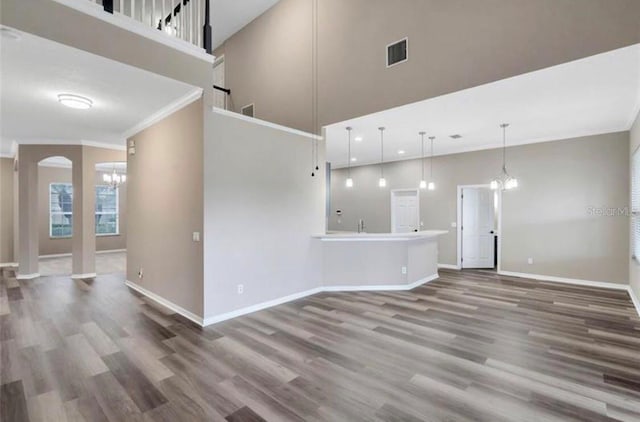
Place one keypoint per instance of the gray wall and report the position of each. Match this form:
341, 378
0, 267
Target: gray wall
261, 208
453, 45
546, 218
165, 203
634, 266
6, 210
53, 246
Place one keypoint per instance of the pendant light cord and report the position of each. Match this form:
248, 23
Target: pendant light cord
422, 136
381, 152
349, 157
504, 146
431, 138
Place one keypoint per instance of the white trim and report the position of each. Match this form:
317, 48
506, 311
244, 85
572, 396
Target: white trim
587, 283
449, 266
164, 302
27, 276
386, 52
459, 223
634, 299
83, 276
64, 255
260, 306
9, 155
139, 28
9, 265
264, 123
95, 144
393, 198
165, 111
381, 287
268, 304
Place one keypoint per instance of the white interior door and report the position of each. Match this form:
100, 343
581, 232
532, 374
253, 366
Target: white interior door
219, 97
405, 211
478, 217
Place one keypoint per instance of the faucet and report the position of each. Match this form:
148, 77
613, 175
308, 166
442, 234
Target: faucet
361, 226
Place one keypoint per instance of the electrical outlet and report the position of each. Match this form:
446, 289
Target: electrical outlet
240, 289
530, 261
196, 236
454, 224
404, 270
140, 273
422, 224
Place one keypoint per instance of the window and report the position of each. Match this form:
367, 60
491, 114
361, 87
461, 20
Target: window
635, 205
107, 217
398, 52
61, 210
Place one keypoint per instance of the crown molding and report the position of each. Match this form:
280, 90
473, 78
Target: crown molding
165, 111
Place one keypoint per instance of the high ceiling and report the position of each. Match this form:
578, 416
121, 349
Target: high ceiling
35, 70
598, 94
230, 16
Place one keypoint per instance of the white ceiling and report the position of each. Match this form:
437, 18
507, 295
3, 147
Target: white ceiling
33, 71
598, 94
230, 16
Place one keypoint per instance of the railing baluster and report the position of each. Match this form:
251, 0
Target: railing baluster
191, 22
206, 30
133, 9
142, 12
121, 9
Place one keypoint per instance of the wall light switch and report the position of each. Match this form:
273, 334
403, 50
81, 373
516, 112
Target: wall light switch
404, 270
196, 236
530, 261
454, 224
240, 289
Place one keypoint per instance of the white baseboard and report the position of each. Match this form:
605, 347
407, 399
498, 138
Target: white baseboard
27, 276
271, 303
449, 266
167, 304
587, 283
83, 276
8, 265
300, 295
260, 306
634, 299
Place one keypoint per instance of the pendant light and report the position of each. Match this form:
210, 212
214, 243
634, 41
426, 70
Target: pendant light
432, 184
382, 182
423, 182
504, 181
349, 182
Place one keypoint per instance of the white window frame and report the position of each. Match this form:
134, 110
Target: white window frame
51, 236
117, 233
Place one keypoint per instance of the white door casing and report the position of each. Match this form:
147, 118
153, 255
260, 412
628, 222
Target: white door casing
405, 210
478, 218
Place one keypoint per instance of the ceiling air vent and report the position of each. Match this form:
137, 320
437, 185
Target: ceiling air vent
456, 136
247, 110
398, 52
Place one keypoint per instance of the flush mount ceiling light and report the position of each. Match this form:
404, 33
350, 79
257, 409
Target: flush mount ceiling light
401, 151
358, 139
382, 182
354, 159
504, 181
75, 101
349, 181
